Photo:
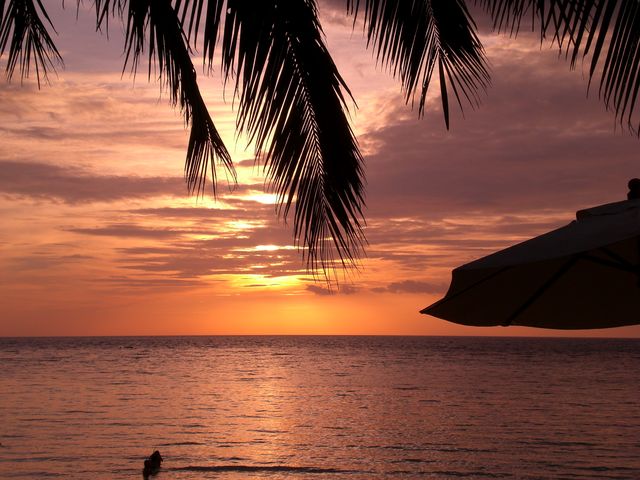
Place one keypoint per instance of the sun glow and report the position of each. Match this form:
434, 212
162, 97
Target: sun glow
273, 248
244, 224
259, 282
263, 198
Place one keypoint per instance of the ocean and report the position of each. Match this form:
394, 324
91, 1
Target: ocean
320, 407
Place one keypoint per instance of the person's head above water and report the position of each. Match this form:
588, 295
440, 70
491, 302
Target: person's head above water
634, 189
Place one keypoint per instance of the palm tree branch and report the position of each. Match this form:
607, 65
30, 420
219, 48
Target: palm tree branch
291, 104
606, 30
25, 36
156, 23
413, 38
620, 78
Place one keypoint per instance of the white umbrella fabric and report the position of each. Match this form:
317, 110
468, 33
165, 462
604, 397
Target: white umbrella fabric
581, 276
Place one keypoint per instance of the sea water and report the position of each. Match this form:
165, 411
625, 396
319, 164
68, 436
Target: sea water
320, 407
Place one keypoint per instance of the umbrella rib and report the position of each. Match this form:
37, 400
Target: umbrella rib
617, 257
457, 294
538, 293
623, 265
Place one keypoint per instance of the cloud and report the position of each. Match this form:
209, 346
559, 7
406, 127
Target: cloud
233, 207
231, 250
189, 213
348, 289
251, 162
537, 144
411, 286
75, 185
341, 289
318, 290
126, 230
417, 243
142, 282
199, 258
40, 261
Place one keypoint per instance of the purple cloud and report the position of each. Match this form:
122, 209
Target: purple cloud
341, 289
411, 286
71, 185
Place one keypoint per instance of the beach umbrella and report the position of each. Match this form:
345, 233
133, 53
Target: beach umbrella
583, 275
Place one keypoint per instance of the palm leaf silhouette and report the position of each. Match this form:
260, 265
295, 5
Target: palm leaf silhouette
158, 21
605, 34
24, 35
411, 38
291, 103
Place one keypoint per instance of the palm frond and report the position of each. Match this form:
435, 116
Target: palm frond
412, 38
508, 15
191, 16
106, 9
620, 79
24, 34
604, 33
291, 103
156, 23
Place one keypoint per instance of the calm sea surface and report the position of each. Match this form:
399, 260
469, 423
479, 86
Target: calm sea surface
320, 408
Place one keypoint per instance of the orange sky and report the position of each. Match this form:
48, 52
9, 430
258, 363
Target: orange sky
100, 237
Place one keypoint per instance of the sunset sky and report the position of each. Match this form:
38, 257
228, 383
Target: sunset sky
99, 235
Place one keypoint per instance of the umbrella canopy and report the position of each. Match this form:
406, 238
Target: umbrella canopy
583, 275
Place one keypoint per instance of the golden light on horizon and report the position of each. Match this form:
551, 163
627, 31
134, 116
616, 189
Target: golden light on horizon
265, 282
